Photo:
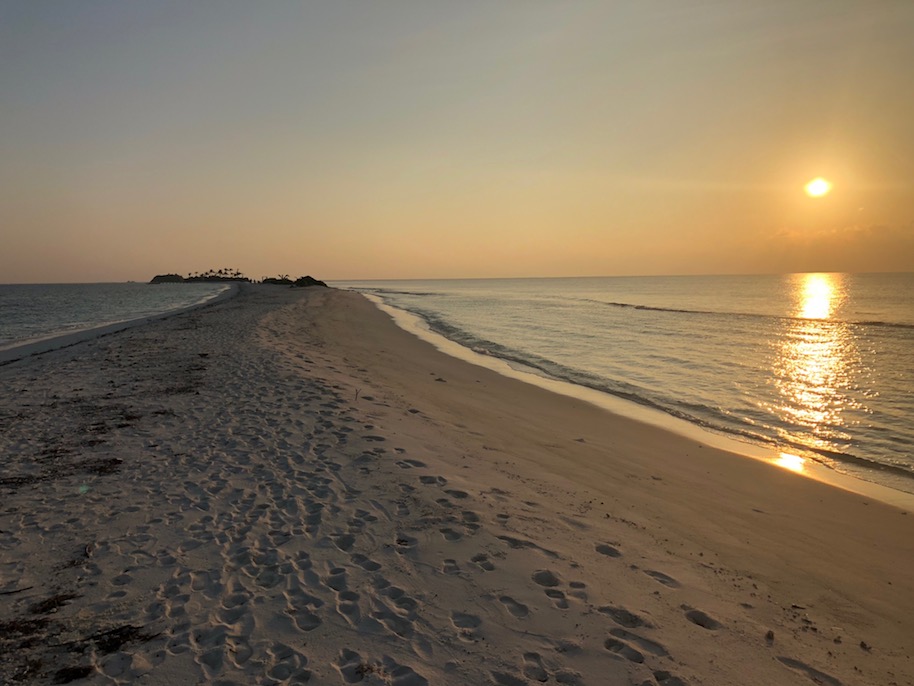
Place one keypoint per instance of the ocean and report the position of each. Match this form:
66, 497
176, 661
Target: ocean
37, 312
818, 366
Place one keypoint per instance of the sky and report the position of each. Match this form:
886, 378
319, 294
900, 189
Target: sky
436, 139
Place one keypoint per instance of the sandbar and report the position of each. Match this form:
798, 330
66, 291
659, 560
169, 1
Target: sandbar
285, 487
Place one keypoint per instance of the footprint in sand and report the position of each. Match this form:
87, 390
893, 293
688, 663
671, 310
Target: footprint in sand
643, 643
410, 464
305, 620
466, 625
450, 534
401, 675
432, 480
810, 672
303, 561
623, 617
231, 615
268, 578
503, 679
558, 598
701, 619
464, 620
351, 666
662, 578
450, 567
482, 560
622, 649
365, 563
405, 543
336, 579
523, 544
608, 550
239, 651
517, 609
348, 606
457, 495
343, 541
533, 667
288, 665
205, 582
401, 626
546, 577
664, 678
577, 590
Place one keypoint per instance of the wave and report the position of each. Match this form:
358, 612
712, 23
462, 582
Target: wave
708, 418
381, 292
390, 291
673, 310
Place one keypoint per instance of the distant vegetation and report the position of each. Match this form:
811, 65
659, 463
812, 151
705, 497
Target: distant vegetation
235, 275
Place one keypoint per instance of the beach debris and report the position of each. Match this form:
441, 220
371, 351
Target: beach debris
68, 674
21, 628
769, 636
113, 639
866, 646
51, 604
17, 590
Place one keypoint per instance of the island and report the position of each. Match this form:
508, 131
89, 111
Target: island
212, 275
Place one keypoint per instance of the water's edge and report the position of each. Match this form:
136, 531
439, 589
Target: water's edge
415, 325
44, 345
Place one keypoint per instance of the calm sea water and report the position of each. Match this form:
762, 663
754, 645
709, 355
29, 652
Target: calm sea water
30, 312
816, 365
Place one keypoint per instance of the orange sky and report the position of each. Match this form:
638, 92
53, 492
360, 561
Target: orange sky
423, 140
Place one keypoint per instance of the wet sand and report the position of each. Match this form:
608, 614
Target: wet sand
287, 488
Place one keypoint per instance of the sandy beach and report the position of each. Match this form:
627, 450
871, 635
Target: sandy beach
287, 488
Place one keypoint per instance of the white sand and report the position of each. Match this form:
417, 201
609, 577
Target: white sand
286, 488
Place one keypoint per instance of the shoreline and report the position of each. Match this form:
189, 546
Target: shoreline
807, 467
19, 351
287, 487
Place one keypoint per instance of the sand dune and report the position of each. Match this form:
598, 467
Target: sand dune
286, 488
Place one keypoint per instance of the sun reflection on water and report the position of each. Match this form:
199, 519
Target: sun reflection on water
814, 363
794, 463
819, 292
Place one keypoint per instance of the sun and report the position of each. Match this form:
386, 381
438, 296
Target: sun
818, 187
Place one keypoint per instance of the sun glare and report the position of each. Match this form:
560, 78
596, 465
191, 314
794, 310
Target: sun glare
818, 187
794, 463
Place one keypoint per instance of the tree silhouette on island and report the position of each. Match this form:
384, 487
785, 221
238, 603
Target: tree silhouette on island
229, 274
